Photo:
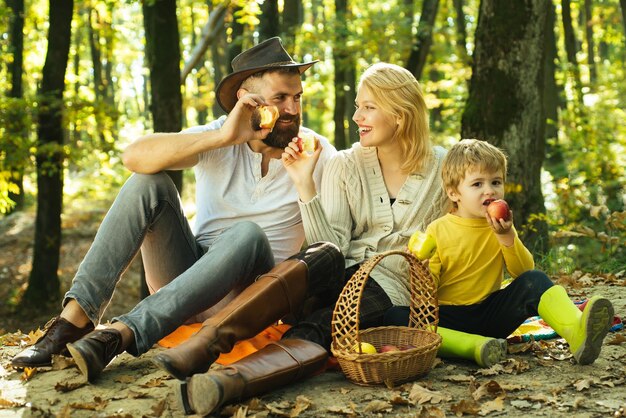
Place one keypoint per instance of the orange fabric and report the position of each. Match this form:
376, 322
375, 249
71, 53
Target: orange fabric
241, 349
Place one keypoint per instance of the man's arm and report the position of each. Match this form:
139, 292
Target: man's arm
155, 152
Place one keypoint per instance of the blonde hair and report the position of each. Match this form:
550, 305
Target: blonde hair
398, 93
470, 154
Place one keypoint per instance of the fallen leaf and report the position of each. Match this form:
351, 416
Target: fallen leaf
378, 406
461, 378
137, 395
159, 408
28, 373
302, 404
491, 388
431, 412
5, 403
492, 406
153, 383
98, 404
341, 410
618, 339
420, 395
64, 387
61, 362
469, 407
125, 378
583, 384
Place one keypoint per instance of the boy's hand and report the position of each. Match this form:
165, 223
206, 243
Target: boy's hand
503, 229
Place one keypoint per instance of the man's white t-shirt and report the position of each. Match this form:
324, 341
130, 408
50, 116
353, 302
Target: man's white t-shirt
230, 189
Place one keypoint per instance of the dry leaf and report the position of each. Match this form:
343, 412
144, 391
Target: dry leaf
159, 408
492, 406
302, 404
153, 383
137, 395
64, 387
28, 373
618, 339
420, 395
5, 403
61, 362
378, 406
491, 388
341, 410
469, 407
98, 404
125, 379
458, 378
431, 412
583, 384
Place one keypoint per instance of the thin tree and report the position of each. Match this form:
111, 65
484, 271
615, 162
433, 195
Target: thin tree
505, 103
269, 20
16, 127
163, 58
423, 38
591, 56
571, 45
43, 283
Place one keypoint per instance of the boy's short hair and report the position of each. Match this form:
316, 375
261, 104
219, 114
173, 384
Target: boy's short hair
470, 154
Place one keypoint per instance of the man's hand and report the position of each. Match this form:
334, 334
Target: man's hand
238, 127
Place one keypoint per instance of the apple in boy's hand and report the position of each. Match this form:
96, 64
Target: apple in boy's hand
388, 348
422, 245
499, 209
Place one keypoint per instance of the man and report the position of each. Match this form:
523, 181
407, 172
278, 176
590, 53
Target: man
247, 219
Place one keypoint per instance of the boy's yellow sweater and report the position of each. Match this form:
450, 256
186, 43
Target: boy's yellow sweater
469, 262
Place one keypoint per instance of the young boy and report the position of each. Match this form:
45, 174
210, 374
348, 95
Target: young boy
473, 249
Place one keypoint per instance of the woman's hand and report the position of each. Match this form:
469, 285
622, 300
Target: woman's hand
300, 167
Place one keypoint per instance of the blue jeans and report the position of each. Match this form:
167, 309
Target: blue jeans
497, 316
185, 278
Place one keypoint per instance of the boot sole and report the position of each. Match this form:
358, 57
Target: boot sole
201, 394
492, 352
598, 322
81, 363
164, 364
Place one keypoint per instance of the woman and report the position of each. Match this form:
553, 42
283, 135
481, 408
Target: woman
372, 198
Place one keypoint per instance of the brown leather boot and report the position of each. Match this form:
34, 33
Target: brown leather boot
264, 302
275, 365
58, 332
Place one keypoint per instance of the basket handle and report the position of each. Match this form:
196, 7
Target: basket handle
424, 308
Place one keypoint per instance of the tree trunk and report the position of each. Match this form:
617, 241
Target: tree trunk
293, 14
571, 45
423, 38
163, 58
505, 103
591, 56
43, 283
461, 31
16, 154
622, 4
269, 25
344, 75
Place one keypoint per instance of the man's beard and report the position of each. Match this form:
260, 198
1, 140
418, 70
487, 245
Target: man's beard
282, 135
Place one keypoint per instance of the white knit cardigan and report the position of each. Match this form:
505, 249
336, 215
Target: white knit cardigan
353, 211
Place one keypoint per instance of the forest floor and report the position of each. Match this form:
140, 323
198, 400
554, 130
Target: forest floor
538, 379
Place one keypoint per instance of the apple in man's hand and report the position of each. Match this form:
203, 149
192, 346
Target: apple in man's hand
499, 209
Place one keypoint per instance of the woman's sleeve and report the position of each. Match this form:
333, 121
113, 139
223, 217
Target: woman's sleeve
327, 217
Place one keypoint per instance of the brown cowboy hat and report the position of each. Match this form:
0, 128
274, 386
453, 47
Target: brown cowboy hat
266, 55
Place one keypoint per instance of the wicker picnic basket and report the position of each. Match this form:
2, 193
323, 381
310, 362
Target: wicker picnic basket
392, 367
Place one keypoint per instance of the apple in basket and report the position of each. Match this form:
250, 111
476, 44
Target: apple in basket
388, 348
422, 245
366, 348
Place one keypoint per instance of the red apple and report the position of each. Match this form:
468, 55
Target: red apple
499, 209
388, 348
